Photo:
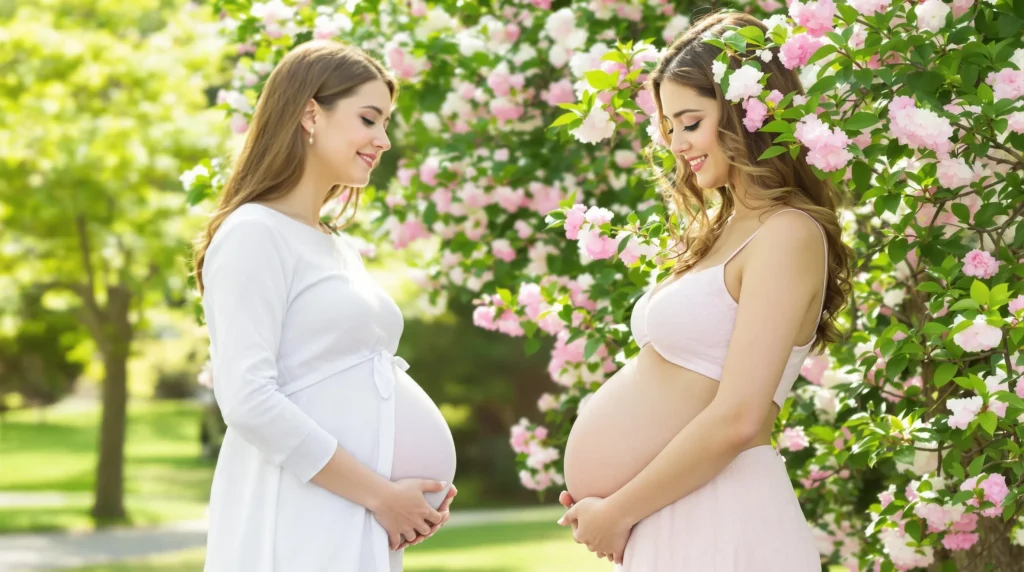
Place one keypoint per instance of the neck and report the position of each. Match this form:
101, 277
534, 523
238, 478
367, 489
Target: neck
744, 207
306, 199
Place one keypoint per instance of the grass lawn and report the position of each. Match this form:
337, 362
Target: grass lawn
519, 547
55, 452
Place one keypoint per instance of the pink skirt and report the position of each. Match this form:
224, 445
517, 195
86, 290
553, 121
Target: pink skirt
746, 519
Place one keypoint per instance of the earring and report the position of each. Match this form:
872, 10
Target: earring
311, 134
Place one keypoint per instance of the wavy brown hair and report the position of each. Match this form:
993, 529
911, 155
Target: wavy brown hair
273, 157
780, 180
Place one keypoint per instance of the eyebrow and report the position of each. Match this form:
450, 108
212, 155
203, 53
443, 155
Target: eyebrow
684, 112
379, 111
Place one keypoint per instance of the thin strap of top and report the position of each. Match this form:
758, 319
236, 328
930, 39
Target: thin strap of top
824, 241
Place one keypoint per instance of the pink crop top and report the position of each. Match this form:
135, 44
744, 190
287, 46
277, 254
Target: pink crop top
691, 319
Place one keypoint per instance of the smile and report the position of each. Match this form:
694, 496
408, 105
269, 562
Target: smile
697, 162
368, 159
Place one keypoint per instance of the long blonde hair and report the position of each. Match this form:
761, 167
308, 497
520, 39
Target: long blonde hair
780, 180
273, 157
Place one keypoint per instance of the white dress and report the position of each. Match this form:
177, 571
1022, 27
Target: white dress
302, 344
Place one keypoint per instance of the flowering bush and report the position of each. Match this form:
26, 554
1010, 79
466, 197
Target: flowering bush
522, 127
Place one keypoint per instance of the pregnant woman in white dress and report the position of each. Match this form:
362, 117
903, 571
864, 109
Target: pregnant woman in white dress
334, 458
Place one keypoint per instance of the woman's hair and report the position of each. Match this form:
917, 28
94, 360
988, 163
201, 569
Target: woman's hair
273, 157
780, 180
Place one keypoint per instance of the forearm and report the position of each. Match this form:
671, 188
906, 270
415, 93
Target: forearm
691, 459
346, 477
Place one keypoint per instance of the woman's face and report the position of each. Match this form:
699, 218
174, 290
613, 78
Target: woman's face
693, 132
349, 139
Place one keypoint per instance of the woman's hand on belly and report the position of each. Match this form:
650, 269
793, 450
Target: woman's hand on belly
445, 511
404, 513
598, 527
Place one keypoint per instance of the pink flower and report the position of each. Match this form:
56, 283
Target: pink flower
960, 7
559, 92
826, 147
547, 402
959, 540
634, 249
931, 15
1016, 122
442, 199
869, 7
964, 411
815, 367
523, 229
503, 250
979, 336
1006, 84
510, 199
624, 158
886, 497
519, 437
483, 317
540, 433
815, 16
919, 128
405, 232
980, 264
1016, 305
954, 173
500, 81
429, 170
794, 439
530, 298
239, 124
508, 324
574, 220
543, 199
797, 50
993, 488
774, 97
505, 109
598, 216
598, 246
551, 323
645, 101
756, 112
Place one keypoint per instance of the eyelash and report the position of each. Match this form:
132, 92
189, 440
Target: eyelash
368, 122
688, 127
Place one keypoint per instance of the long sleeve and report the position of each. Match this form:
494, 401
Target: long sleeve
246, 275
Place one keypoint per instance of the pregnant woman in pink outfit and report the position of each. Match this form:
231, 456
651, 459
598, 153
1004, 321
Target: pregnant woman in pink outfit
334, 459
670, 463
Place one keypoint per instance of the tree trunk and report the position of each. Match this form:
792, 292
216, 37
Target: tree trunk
117, 337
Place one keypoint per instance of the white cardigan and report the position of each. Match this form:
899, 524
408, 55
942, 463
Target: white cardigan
302, 343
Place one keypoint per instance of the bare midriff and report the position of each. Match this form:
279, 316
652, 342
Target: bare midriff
632, 417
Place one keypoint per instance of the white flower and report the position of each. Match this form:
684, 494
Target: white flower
779, 19
470, 43
436, 20
272, 12
188, 178
674, 27
931, 15
1018, 58
525, 52
893, 298
744, 83
582, 62
765, 55
597, 126
561, 28
718, 70
964, 411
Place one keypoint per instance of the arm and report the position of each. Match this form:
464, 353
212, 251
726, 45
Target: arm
781, 276
246, 276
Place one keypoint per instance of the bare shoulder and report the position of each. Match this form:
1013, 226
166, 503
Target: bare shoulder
790, 234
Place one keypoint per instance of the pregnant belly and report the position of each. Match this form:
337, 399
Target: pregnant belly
424, 447
629, 420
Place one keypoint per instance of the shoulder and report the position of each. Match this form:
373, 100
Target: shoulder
790, 233
247, 228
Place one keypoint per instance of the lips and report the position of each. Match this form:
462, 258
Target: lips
367, 158
697, 162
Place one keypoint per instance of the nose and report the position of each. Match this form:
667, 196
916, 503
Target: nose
679, 144
382, 142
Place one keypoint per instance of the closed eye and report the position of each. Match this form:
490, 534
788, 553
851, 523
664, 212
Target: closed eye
692, 127
369, 122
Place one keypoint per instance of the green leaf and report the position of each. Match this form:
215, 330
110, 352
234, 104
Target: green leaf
988, 421
999, 295
777, 126
898, 249
735, 41
628, 115
965, 304
861, 176
822, 53
532, 345
601, 80
772, 151
861, 120
944, 373
896, 365
592, 345
931, 287
564, 119
979, 292
754, 34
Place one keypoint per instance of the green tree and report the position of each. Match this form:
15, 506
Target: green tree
102, 103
